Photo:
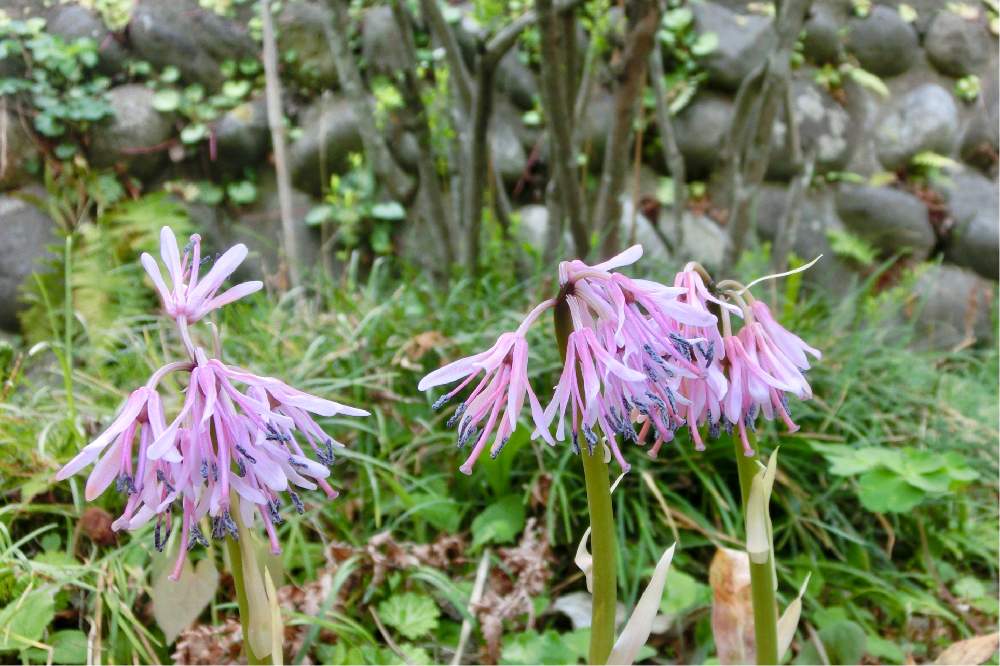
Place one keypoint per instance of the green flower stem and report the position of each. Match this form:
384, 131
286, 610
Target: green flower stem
602, 527
762, 583
236, 563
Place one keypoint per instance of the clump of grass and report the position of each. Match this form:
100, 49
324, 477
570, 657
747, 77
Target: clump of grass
907, 580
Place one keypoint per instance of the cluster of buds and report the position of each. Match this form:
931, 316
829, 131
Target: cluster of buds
236, 443
641, 361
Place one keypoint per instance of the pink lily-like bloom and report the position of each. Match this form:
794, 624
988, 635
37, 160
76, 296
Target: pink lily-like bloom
189, 298
638, 353
237, 439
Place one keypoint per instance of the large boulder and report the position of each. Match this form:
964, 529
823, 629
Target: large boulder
183, 34
133, 135
598, 115
514, 78
381, 43
923, 119
242, 136
952, 308
974, 241
72, 22
302, 29
825, 130
743, 43
821, 42
883, 42
891, 220
27, 233
957, 46
329, 135
981, 140
506, 149
701, 129
21, 154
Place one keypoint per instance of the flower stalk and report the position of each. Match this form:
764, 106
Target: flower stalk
239, 582
602, 530
762, 581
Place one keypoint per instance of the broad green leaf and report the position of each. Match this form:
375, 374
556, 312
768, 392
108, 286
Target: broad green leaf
882, 491
26, 618
69, 646
530, 647
705, 44
167, 100
177, 604
242, 192
388, 210
412, 615
500, 522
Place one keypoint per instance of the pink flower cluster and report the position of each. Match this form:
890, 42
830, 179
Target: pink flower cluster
642, 360
236, 439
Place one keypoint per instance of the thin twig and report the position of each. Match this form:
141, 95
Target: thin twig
276, 124
643, 22
668, 141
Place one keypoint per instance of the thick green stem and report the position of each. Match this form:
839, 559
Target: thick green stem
602, 548
236, 562
762, 583
602, 527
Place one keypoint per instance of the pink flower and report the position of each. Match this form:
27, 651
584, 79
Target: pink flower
188, 298
494, 405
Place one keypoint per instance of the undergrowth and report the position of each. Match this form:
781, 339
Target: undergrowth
888, 494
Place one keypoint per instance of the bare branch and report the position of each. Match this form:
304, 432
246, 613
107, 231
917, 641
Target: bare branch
668, 141
416, 121
563, 155
442, 32
643, 20
478, 151
276, 123
788, 226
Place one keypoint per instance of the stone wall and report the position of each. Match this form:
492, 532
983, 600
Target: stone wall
864, 141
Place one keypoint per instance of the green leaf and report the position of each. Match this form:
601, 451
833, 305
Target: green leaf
530, 647
242, 192
685, 593
869, 80
677, 19
177, 604
194, 133
26, 618
705, 44
882, 491
388, 210
849, 246
884, 650
65, 151
48, 125
170, 74
318, 215
235, 89
69, 646
500, 522
412, 615
166, 100
209, 193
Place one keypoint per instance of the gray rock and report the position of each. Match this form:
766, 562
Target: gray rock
974, 241
953, 308
27, 231
516, 80
132, 135
825, 129
817, 220
981, 140
506, 150
821, 43
883, 42
533, 230
925, 118
21, 154
329, 134
72, 22
381, 43
302, 30
194, 40
889, 219
925, 10
744, 42
701, 129
957, 46
242, 136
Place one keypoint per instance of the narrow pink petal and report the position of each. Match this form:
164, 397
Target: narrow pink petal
171, 257
222, 269
518, 381
629, 256
153, 271
104, 472
232, 294
452, 372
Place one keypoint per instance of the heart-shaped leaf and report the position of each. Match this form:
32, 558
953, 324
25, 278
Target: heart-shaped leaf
177, 604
